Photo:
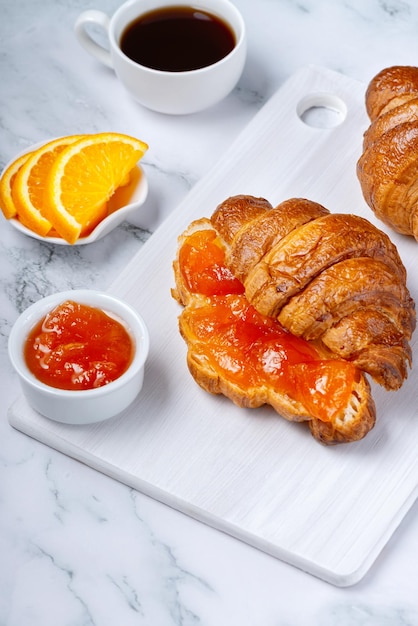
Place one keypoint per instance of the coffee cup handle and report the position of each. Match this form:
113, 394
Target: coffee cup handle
96, 18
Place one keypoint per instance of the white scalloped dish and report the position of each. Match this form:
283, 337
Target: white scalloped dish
123, 205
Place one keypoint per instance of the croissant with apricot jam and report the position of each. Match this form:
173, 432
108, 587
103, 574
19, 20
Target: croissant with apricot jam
388, 167
291, 306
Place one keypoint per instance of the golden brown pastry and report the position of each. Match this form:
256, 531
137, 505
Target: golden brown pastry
252, 243
389, 88
250, 358
388, 167
334, 278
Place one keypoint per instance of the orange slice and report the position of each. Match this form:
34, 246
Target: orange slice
83, 178
29, 184
7, 204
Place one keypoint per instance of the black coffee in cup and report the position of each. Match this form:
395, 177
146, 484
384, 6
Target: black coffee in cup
177, 39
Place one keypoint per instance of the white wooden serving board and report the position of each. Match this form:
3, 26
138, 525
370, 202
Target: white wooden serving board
249, 473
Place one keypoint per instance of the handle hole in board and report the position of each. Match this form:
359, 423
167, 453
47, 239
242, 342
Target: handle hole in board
322, 110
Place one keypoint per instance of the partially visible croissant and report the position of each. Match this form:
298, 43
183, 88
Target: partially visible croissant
329, 277
388, 167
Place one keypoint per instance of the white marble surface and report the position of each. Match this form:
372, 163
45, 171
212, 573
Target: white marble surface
76, 548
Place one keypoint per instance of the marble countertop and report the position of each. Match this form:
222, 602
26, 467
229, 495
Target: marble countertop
80, 549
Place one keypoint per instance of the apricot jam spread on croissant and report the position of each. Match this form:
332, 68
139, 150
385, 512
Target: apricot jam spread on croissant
202, 262
250, 349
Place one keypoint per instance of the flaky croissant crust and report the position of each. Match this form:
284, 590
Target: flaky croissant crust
388, 167
335, 278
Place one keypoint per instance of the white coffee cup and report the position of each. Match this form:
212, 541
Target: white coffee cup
166, 91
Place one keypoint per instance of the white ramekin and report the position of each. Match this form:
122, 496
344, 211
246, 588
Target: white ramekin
80, 406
